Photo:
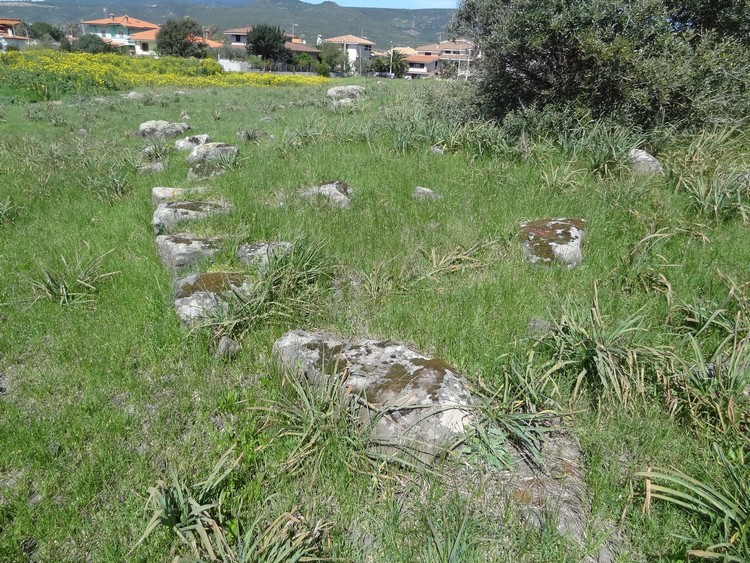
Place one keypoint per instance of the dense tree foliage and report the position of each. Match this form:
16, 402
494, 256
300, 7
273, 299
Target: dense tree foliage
334, 56
180, 38
267, 42
640, 60
44, 30
91, 43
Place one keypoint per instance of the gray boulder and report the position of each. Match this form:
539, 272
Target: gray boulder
258, 254
421, 193
221, 152
351, 91
554, 240
644, 164
201, 296
166, 215
159, 129
337, 193
183, 251
189, 143
163, 195
413, 405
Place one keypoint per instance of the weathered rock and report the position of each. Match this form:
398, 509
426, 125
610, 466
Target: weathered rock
227, 348
414, 405
152, 167
643, 163
166, 215
258, 254
189, 143
158, 129
200, 296
221, 152
421, 193
206, 169
437, 149
183, 251
336, 192
559, 240
163, 195
552, 492
350, 91
134, 96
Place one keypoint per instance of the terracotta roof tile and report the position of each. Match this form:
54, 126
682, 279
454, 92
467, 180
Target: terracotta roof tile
349, 39
125, 21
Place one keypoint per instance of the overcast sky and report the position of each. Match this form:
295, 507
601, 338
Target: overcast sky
406, 4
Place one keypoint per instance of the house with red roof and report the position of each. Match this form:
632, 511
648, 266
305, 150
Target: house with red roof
238, 39
118, 30
8, 36
355, 47
459, 53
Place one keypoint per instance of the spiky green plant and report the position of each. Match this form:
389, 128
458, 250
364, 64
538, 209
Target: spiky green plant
75, 282
606, 357
726, 506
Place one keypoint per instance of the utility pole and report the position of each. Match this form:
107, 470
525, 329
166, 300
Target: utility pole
293, 26
390, 68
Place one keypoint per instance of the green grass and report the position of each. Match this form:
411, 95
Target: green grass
110, 396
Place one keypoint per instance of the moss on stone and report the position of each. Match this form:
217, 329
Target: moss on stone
212, 282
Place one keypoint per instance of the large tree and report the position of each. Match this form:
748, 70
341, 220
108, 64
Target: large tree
43, 30
94, 44
267, 42
639, 60
180, 38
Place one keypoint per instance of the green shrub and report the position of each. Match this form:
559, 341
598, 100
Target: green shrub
631, 60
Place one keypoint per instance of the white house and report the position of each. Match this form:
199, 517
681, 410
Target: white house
8, 37
119, 30
355, 47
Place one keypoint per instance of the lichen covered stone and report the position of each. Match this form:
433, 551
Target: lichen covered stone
415, 405
199, 296
180, 252
167, 215
554, 240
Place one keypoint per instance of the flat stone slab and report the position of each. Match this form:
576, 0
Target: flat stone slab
180, 252
189, 143
337, 193
258, 254
167, 215
201, 296
158, 129
163, 195
554, 240
644, 163
351, 91
416, 406
213, 152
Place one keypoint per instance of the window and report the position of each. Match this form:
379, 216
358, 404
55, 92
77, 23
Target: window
238, 38
144, 47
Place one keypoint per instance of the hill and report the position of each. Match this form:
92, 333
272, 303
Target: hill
381, 25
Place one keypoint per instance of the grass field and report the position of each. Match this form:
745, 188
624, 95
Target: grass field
105, 395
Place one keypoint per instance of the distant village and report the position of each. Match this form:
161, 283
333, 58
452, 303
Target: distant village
127, 34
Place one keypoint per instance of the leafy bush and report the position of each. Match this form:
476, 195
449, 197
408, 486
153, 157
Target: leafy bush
631, 60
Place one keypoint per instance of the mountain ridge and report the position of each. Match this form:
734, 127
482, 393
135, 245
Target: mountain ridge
403, 27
